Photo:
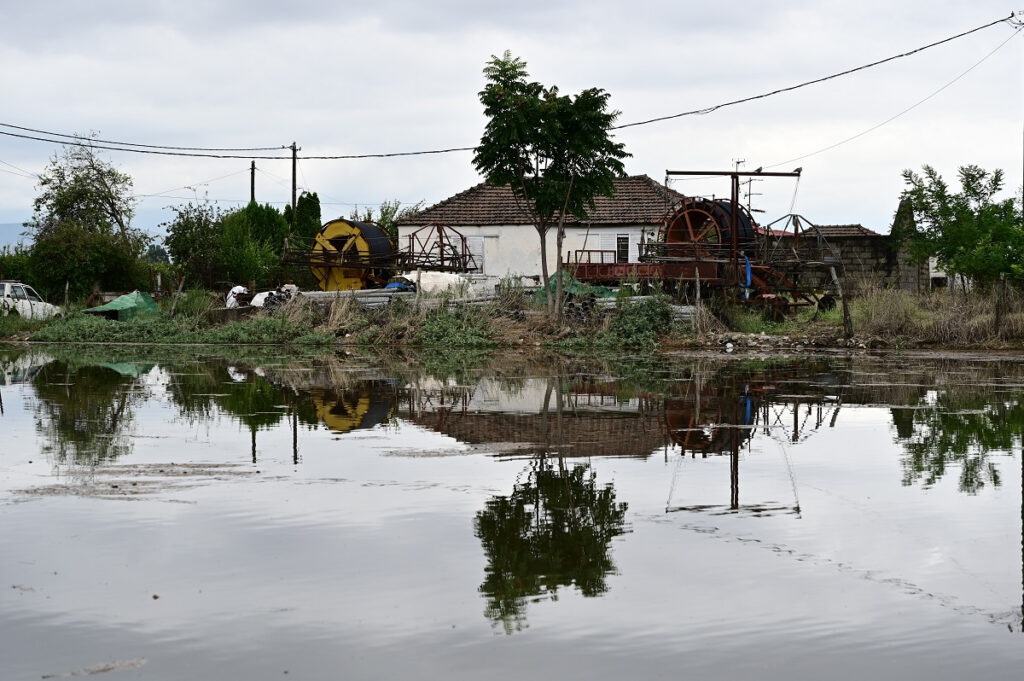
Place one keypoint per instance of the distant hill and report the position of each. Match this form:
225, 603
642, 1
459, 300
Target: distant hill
10, 233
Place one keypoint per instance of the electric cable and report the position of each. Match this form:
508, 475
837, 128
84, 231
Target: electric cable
220, 152
195, 184
133, 144
716, 107
901, 113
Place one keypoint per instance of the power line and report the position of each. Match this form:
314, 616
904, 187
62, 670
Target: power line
710, 109
391, 155
17, 174
74, 143
901, 113
209, 152
27, 173
195, 184
133, 144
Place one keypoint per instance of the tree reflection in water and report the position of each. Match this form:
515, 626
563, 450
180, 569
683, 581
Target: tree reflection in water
963, 430
84, 414
555, 529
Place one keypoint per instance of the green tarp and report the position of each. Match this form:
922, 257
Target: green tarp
128, 306
571, 285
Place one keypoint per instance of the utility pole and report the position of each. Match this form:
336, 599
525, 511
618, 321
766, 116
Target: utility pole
295, 165
252, 183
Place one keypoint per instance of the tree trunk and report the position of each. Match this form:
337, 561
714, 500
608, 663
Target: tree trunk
542, 231
559, 239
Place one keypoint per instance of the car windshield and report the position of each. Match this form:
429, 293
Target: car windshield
32, 295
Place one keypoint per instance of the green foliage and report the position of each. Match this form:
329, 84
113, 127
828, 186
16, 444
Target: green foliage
157, 254
387, 216
82, 328
193, 240
459, 327
14, 263
81, 227
194, 304
70, 253
970, 232
553, 150
307, 219
11, 325
638, 325
250, 244
261, 223
238, 246
79, 187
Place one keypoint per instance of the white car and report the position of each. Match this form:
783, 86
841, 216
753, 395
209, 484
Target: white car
17, 298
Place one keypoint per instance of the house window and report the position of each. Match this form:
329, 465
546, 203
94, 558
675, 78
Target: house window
622, 248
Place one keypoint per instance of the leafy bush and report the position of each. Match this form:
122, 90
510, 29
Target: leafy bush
69, 253
14, 263
82, 328
638, 324
458, 327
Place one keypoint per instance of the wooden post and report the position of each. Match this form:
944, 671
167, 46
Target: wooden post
252, 183
847, 321
1000, 304
67, 287
181, 285
698, 316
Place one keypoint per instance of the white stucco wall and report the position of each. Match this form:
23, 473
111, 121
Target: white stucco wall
515, 249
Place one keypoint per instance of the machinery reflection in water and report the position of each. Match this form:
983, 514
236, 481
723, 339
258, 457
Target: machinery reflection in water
718, 413
707, 409
85, 407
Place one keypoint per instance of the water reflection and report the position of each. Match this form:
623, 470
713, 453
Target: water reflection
553, 530
559, 424
84, 406
85, 413
962, 429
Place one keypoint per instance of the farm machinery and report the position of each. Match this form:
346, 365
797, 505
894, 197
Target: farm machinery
708, 246
348, 255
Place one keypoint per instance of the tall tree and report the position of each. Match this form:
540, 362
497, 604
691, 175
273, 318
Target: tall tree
78, 186
307, 220
193, 241
554, 151
85, 204
970, 232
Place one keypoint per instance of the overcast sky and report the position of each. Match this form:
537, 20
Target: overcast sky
394, 75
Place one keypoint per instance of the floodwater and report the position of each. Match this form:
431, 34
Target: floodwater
189, 516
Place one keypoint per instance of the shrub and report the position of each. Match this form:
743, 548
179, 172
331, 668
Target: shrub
638, 324
457, 327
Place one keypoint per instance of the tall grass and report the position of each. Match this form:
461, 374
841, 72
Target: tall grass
940, 317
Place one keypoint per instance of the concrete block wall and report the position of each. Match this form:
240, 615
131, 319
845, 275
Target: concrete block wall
871, 261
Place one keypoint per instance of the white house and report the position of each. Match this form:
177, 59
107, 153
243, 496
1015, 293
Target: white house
505, 243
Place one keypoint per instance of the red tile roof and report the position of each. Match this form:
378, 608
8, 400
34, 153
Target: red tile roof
846, 230
638, 200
